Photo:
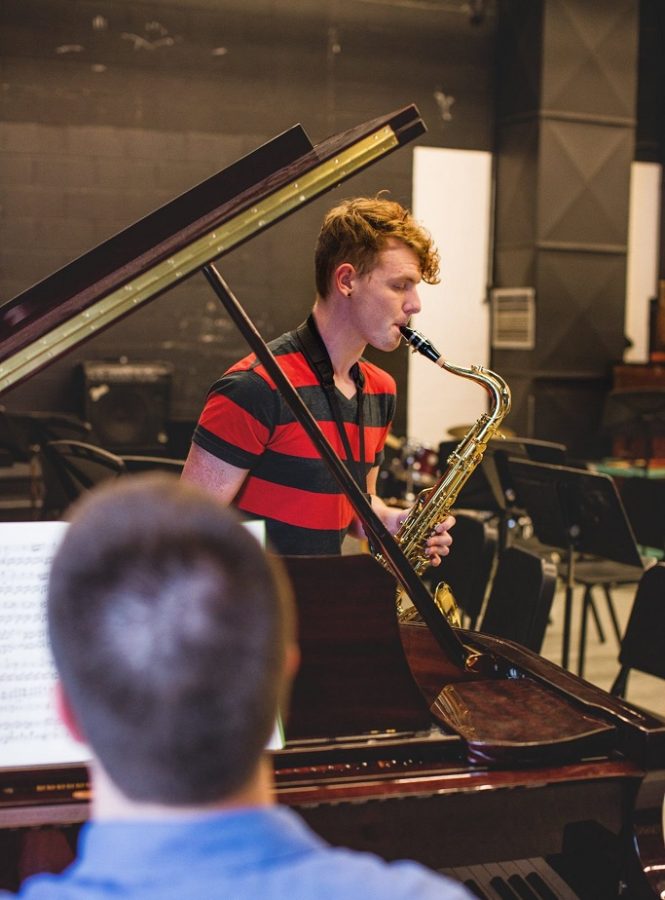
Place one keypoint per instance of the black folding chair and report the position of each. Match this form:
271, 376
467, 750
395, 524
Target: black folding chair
468, 567
520, 599
70, 468
643, 644
135, 462
22, 434
644, 502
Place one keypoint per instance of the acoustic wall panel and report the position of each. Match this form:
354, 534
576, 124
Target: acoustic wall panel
562, 191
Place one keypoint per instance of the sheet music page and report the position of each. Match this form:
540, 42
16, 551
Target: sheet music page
257, 527
30, 733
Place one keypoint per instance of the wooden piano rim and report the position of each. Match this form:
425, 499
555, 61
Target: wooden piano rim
33, 816
63, 811
458, 781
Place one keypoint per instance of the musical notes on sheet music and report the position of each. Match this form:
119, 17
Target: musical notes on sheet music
30, 733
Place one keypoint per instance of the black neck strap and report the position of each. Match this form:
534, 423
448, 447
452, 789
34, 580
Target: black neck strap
316, 354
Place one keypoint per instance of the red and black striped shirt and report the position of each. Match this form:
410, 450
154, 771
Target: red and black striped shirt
248, 424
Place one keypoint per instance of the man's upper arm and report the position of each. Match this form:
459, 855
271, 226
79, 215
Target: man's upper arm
213, 474
238, 419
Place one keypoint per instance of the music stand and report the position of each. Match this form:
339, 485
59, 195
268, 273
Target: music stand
497, 473
477, 492
488, 487
578, 512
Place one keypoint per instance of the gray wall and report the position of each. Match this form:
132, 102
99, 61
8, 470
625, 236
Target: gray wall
109, 109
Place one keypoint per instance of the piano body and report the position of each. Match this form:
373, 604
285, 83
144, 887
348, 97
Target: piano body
410, 739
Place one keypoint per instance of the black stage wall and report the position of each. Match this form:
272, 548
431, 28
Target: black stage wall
110, 108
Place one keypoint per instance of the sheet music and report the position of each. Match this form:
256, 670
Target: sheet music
30, 733
257, 527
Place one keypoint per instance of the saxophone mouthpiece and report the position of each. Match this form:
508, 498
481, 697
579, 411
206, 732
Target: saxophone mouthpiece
419, 343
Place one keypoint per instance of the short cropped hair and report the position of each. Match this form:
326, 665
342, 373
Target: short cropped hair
168, 625
359, 228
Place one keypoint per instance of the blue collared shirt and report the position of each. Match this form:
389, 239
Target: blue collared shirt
266, 853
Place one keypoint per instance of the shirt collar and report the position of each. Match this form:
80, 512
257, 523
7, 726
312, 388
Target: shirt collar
238, 839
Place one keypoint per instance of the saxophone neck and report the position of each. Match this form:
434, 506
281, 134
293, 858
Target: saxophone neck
494, 384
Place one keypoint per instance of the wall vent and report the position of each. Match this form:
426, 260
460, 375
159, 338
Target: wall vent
513, 318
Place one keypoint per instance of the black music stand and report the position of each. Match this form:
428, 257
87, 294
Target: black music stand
578, 512
490, 487
487, 488
499, 477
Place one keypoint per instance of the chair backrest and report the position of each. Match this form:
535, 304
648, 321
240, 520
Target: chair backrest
22, 433
643, 644
135, 462
469, 566
520, 599
70, 468
644, 502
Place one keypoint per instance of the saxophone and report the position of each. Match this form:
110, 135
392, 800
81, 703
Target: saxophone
433, 504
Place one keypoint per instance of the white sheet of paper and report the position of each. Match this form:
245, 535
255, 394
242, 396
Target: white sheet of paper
30, 732
258, 529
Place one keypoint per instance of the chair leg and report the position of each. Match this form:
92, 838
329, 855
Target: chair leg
612, 611
587, 604
596, 617
620, 685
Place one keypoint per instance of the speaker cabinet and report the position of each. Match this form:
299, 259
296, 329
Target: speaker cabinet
128, 404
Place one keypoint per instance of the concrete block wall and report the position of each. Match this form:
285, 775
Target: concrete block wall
109, 109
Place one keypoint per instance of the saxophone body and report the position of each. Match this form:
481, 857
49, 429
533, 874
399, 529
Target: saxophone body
434, 504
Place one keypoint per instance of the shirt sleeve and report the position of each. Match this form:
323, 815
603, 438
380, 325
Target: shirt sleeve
238, 419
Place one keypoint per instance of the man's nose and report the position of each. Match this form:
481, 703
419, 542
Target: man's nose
412, 305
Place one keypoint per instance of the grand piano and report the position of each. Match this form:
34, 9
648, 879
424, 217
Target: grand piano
407, 738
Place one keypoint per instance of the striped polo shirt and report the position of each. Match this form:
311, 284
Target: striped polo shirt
247, 423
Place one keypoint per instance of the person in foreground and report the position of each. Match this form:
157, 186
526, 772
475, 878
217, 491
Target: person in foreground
248, 448
173, 637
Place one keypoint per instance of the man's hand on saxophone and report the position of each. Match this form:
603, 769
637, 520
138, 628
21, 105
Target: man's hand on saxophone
438, 543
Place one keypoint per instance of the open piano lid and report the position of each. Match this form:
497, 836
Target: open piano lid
140, 262
187, 234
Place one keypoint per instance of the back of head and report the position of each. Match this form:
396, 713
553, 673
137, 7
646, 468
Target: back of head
359, 228
168, 626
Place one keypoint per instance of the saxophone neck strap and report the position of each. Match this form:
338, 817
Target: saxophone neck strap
316, 353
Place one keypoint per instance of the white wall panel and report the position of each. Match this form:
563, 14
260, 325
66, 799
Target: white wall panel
642, 264
452, 199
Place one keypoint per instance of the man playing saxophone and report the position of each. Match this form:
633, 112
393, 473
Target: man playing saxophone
249, 450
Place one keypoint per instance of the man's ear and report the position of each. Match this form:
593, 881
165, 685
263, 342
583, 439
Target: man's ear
344, 277
66, 714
